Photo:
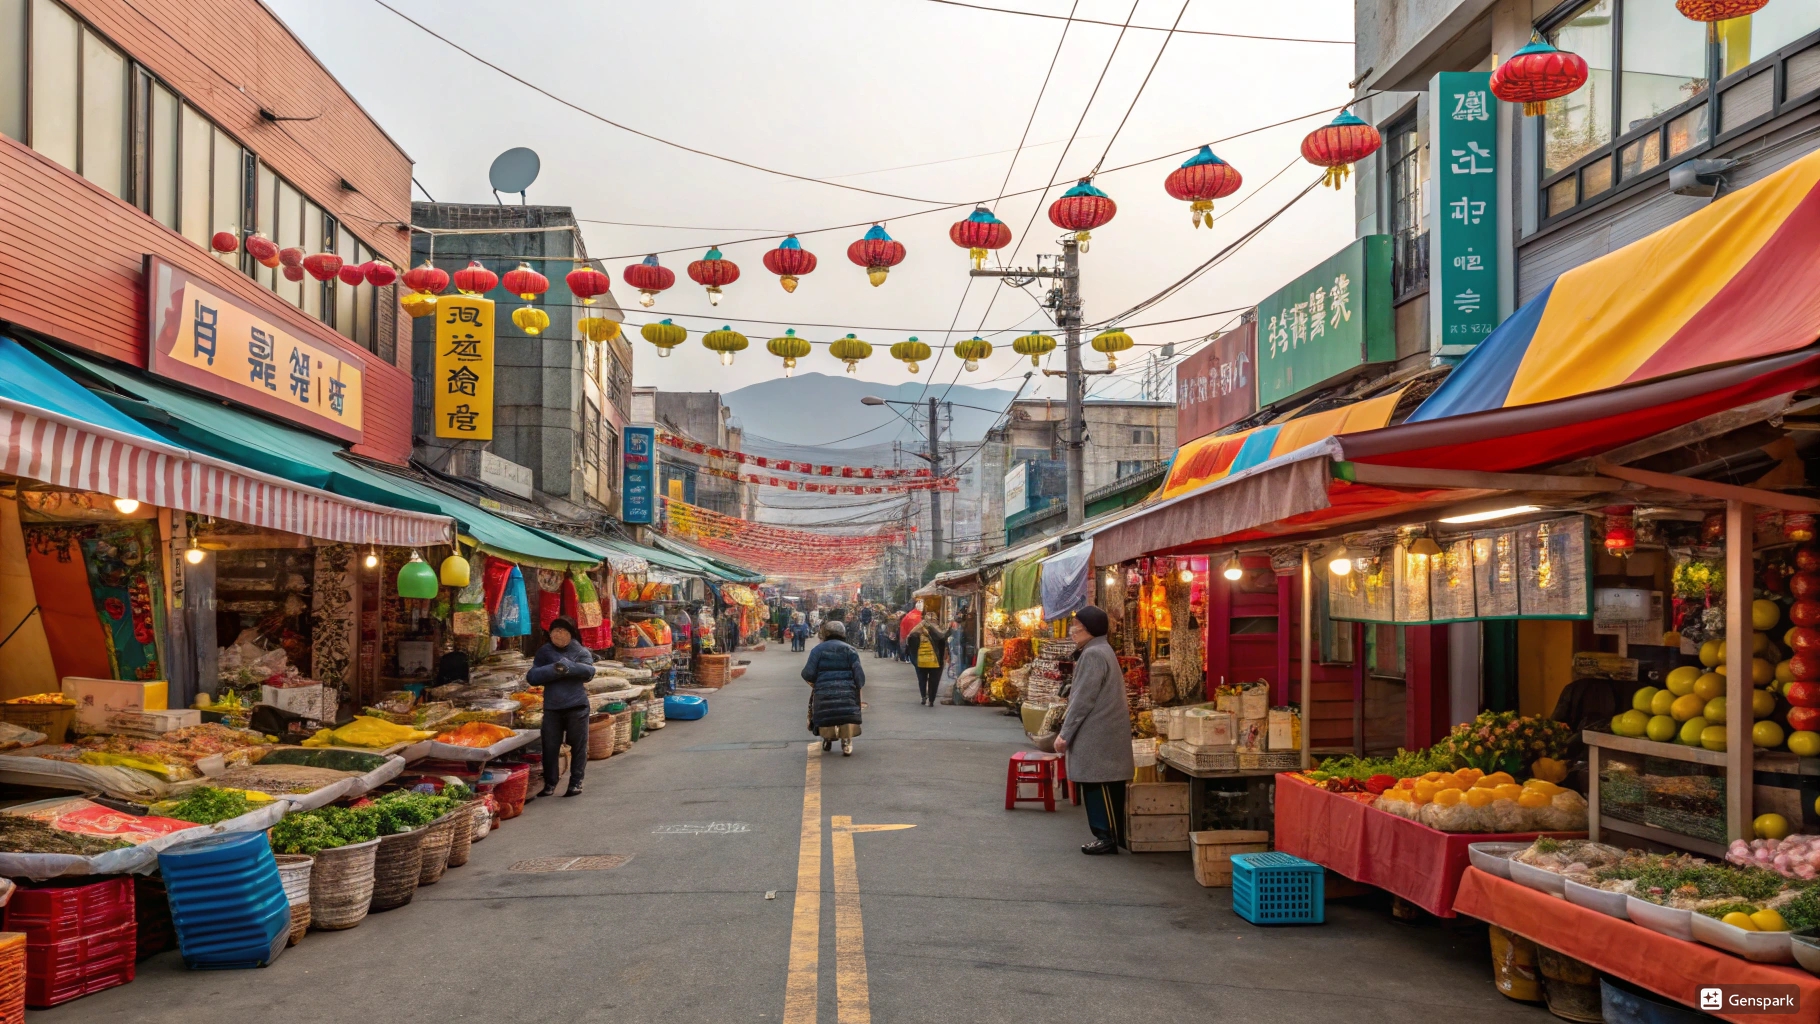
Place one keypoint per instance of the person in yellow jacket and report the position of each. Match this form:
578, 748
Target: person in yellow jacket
928, 652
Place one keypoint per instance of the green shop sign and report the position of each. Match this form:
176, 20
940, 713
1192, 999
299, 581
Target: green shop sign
1463, 240
1328, 323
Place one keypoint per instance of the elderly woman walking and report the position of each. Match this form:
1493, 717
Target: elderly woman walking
834, 673
1096, 733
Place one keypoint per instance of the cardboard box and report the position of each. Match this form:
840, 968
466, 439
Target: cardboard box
139, 723
1156, 798
97, 699
1282, 731
299, 700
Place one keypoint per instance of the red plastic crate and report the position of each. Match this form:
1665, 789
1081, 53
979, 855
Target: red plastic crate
64, 912
61, 971
152, 908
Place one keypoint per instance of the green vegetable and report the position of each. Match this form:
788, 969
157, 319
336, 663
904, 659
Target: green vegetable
405, 811
351, 826
1407, 764
206, 805
303, 833
1803, 912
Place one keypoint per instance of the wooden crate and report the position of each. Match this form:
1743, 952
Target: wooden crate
1213, 853
1157, 828
1156, 798
1177, 846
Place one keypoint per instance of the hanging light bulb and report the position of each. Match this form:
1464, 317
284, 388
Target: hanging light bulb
1111, 579
1186, 575
372, 559
713, 295
126, 506
1424, 547
647, 299
726, 359
1340, 562
1235, 570
194, 554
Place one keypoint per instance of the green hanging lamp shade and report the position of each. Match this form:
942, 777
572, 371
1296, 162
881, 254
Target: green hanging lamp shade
416, 579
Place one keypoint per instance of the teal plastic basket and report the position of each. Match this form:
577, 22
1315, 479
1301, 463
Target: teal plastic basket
1276, 888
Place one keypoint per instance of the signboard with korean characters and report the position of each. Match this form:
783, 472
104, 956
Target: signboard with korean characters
1328, 323
203, 338
462, 385
1216, 386
1463, 235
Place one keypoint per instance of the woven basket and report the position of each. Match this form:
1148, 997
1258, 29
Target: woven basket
396, 868
601, 733
294, 872
463, 837
622, 732
484, 814
53, 720
341, 885
12, 977
654, 714
438, 839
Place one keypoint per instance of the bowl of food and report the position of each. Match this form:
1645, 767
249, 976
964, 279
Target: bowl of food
1769, 945
1658, 918
1611, 904
1493, 858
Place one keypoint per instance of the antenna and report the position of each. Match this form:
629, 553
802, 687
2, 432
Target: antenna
514, 171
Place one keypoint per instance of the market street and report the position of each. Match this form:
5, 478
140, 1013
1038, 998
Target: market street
975, 914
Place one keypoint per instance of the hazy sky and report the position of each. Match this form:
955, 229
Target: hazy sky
862, 93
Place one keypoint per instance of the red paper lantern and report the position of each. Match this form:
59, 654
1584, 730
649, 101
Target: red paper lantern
224, 241
1201, 180
322, 265
379, 273
979, 232
526, 283
649, 278
712, 272
1718, 10
789, 261
586, 282
1536, 74
426, 277
262, 249
1081, 209
1338, 144
292, 273
877, 252
353, 274
475, 279
1620, 529
1798, 527
291, 256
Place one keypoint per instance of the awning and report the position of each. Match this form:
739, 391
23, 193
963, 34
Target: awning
294, 455
712, 565
1022, 584
953, 583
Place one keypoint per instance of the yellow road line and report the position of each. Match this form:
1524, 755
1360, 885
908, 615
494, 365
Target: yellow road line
806, 921
853, 995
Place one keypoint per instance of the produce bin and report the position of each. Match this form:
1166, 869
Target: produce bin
227, 900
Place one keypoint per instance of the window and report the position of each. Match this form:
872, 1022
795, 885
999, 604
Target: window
1143, 435
55, 85
12, 68
1407, 178
1131, 467
161, 157
103, 114
194, 174
1656, 102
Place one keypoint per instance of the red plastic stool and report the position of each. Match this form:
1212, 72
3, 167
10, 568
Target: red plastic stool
1030, 767
1069, 789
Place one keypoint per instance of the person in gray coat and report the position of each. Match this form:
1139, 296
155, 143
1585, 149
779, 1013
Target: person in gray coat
1096, 733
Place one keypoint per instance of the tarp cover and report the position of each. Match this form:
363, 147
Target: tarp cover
1065, 577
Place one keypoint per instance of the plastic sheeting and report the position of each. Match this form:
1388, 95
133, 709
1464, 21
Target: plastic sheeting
1065, 578
136, 860
457, 752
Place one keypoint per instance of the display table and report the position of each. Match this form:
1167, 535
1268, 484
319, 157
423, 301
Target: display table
1411, 860
1673, 967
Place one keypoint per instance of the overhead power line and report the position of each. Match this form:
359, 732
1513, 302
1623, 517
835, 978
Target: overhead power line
1143, 28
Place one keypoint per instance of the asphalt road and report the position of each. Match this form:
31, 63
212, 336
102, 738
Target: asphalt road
974, 914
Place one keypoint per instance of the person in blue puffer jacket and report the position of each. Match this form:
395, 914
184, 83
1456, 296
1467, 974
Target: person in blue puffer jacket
563, 668
834, 672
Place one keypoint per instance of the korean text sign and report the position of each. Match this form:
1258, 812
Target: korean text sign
1217, 386
638, 476
463, 383
205, 339
1327, 323
1463, 281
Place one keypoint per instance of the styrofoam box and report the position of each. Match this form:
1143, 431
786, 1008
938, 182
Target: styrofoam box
300, 700
117, 694
1207, 728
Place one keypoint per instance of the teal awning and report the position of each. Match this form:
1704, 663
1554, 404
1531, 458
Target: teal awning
29, 380
305, 458
719, 568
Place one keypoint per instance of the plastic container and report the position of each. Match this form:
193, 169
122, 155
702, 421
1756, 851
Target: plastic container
685, 707
1667, 920
227, 900
58, 972
1570, 987
1538, 879
1493, 858
12, 977
1621, 1003
638, 724
1611, 904
64, 912
1762, 947
1276, 888
1513, 966
1806, 949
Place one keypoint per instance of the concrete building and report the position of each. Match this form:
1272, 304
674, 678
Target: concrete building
700, 416
1594, 172
561, 401
1124, 439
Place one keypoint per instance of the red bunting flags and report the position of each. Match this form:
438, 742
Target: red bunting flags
781, 553
787, 465
947, 483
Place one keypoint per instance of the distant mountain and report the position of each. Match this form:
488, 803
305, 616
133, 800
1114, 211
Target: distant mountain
813, 409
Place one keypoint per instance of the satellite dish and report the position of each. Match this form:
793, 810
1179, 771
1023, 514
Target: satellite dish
514, 170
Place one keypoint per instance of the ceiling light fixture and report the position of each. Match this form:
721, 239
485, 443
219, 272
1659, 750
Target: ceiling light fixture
1340, 561
126, 506
1235, 569
1424, 547
1496, 513
194, 554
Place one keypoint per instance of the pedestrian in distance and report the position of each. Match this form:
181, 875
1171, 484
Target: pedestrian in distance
928, 647
957, 650
1096, 732
562, 666
835, 677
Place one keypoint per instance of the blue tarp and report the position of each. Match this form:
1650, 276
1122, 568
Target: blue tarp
1064, 583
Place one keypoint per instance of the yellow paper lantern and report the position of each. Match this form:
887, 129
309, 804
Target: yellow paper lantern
665, 335
790, 348
972, 351
598, 328
910, 353
726, 341
1034, 345
1112, 342
850, 350
418, 304
530, 319
455, 571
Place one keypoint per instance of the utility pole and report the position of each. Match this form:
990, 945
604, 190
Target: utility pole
1066, 301
935, 493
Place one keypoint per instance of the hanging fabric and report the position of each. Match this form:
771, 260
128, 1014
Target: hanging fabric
513, 617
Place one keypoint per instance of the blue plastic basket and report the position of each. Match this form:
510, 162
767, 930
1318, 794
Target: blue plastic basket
227, 902
1276, 888
685, 707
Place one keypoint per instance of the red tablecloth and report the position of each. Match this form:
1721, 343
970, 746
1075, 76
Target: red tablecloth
1673, 967
1420, 864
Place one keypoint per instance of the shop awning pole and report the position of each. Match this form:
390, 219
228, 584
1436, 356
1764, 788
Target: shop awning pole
1307, 662
1740, 754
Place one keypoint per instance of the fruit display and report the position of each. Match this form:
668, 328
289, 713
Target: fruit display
1690, 707
1786, 855
1469, 800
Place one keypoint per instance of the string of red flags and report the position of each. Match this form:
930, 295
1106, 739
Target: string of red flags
788, 465
947, 484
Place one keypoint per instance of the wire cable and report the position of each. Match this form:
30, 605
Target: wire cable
1144, 28
1158, 59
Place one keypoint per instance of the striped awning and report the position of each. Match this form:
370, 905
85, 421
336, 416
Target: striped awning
38, 444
